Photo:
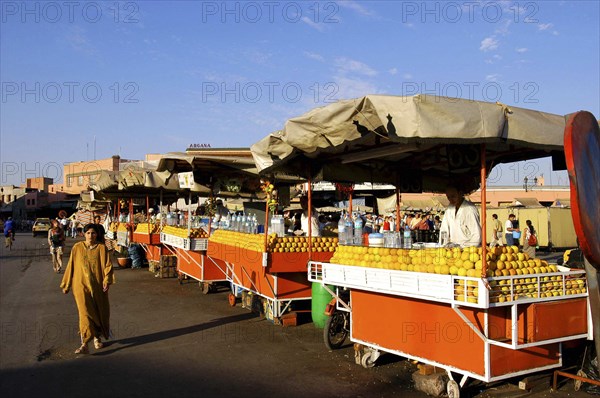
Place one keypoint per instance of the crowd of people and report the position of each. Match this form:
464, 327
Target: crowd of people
459, 224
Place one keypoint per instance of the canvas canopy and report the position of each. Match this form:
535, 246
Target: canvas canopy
228, 176
416, 143
135, 181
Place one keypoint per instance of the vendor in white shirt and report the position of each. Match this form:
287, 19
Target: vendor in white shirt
315, 230
461, 220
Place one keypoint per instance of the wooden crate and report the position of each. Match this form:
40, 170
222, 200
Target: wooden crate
167, 272
168, 261
153, 266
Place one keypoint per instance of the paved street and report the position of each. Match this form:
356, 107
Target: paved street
170, 340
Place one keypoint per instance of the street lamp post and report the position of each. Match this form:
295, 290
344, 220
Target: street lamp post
527, 186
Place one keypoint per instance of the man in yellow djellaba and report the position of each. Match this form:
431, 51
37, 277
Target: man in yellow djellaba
89, 274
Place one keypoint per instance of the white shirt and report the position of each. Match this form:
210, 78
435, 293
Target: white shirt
508, 225
315, 231
463, 227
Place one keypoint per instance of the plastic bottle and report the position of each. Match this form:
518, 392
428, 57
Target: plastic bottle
254, 225
238, 224
349, 229
342, 230
246, 228
358, 230
407, 238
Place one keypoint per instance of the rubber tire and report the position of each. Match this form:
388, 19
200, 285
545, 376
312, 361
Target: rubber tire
453, 389
366, 361
335, 319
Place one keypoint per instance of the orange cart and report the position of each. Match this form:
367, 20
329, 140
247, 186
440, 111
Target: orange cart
193, 261
278, 279
484, 321
419, 316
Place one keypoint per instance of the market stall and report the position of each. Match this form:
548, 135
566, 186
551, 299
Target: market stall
267, 270
275, 273
187, 236
425, 301
131, 189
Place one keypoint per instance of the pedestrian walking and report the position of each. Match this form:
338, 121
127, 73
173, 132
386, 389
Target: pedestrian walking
74, 225
56, 242
9, 232
530, 239
99, 229
509, 228
497, 231
89, 274
64, 224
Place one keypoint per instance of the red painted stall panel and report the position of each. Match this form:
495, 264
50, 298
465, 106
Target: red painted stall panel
199, 266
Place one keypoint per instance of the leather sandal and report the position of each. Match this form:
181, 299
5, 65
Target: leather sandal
83, 349
98, 344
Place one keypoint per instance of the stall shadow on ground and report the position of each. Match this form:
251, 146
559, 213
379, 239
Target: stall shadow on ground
129, 342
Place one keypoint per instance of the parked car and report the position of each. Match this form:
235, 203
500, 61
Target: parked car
41, 226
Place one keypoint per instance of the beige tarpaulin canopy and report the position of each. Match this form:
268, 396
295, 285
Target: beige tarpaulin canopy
227, 176
527, 202
87, 203
416, 143
136, 181
270, 149
388, 204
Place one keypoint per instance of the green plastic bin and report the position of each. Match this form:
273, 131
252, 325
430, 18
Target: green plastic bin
320, 299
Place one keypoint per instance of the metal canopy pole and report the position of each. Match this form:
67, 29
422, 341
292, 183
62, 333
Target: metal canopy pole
483, 215
309, 190
350, 202
212, 200
397, 226
189, 220
131, 219
160, 208
266, 231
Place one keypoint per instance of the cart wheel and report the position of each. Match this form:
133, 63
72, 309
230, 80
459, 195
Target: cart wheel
336, 329
205, 287
453, 389
367, 361
232, 299
580, 373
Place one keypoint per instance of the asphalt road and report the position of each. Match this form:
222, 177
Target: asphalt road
171, 340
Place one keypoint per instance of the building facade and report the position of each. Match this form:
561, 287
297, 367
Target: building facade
79, 175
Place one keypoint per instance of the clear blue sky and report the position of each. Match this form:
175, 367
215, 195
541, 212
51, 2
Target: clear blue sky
156, 76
